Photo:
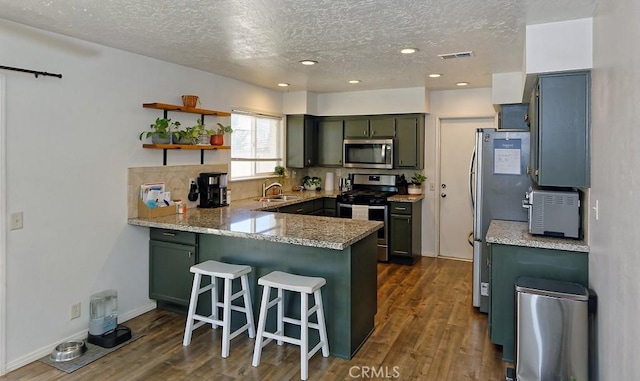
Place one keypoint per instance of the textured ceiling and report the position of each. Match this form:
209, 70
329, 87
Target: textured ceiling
262, 41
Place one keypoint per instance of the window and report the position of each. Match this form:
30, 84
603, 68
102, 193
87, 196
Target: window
256, 144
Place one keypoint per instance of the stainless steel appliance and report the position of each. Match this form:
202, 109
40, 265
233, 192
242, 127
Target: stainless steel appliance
553, 213
497, 182
368, 153
552, 330
213, 190
368, 200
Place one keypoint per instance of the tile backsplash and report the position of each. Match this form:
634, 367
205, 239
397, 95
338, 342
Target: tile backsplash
176, 179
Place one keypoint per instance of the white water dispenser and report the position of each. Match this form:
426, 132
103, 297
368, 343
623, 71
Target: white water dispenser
103, 320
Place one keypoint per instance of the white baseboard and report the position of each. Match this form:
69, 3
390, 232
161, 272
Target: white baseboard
429, 254
41, 352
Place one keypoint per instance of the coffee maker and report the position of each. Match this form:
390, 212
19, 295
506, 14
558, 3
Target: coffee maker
213, 189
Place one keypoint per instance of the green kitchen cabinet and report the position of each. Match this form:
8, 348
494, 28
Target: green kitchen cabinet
329, 207
560, 129
507, 263
301, 141
305, 207
409, 147
330, 138
405, 225
370, 127
356, 128
171, 255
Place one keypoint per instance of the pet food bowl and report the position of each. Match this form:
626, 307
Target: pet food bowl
68, 350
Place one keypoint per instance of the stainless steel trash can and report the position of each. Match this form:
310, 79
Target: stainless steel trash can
552, 330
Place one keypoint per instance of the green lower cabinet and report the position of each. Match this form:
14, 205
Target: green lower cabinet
507, 263
405, 223
169, 277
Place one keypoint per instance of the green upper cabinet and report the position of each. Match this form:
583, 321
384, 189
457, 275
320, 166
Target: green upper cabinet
301, 141
409, 147
330, 142
370, 127
560, 130
356, 128
382, 127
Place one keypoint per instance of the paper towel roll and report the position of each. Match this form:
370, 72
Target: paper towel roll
328, 182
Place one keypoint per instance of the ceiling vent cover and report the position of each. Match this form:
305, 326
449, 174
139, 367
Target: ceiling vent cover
456, 55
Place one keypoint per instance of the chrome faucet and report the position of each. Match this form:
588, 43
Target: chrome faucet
266, 187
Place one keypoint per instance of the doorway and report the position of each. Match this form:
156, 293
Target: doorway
457, 140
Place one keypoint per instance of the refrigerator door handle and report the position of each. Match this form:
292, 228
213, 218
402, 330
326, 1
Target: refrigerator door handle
471, 179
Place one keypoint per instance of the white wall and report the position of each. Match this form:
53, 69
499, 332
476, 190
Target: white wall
391, 101
559, 46
69, 144
614, 260
445, 104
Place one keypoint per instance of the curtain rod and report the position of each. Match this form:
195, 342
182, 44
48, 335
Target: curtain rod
34, 72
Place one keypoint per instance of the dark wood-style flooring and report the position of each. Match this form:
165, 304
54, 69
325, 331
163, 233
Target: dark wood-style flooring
425, 329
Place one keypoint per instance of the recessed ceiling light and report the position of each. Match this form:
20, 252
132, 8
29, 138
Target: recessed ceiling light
462, 83
283, 84
308, 62
408, 50
354, 81
435, 75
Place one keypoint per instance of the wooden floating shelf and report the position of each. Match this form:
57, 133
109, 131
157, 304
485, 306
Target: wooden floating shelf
192, 110
185, 146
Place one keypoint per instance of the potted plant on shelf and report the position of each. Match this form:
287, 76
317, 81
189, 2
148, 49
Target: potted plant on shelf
416, 183
162, 131
217, 136
311, 183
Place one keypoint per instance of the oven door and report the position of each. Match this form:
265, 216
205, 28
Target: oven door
375, 213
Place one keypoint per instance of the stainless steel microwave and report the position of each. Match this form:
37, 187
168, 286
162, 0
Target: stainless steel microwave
368, 153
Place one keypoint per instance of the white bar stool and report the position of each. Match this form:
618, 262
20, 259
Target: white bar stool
228, 272
305, 286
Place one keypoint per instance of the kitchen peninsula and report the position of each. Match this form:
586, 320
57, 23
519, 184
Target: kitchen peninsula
343, 251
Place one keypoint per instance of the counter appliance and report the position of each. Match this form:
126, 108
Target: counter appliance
213, 190
553, 213
498, 180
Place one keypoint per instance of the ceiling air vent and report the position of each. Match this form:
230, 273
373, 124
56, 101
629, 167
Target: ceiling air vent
456, 55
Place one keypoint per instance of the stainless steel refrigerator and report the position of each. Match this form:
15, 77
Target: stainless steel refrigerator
498, 181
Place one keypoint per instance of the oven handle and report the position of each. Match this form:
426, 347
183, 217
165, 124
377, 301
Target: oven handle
374, 207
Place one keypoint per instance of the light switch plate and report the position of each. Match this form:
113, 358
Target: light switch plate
484, 289
16, 221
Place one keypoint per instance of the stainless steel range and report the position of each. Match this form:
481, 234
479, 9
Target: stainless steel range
368, 201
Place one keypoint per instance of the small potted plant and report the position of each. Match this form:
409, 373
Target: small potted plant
217, 137
416, 183
196, 134
162, 131
281, 172
311, 183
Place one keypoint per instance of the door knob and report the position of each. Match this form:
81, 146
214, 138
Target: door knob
443, 195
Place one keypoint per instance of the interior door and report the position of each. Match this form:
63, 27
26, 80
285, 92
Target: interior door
457, 140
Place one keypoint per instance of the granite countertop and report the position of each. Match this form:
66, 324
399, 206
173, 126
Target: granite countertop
252, 219
517, 234
406, 197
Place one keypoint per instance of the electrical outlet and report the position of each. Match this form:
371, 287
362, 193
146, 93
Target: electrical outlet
432, 186
75, 310
16, 221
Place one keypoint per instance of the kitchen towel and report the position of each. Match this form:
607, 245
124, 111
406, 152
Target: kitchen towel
328, 182
360, 212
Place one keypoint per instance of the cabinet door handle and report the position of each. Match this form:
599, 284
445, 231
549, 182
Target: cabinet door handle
190, 254
299, 210
400, 208
364, 132
169, 234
